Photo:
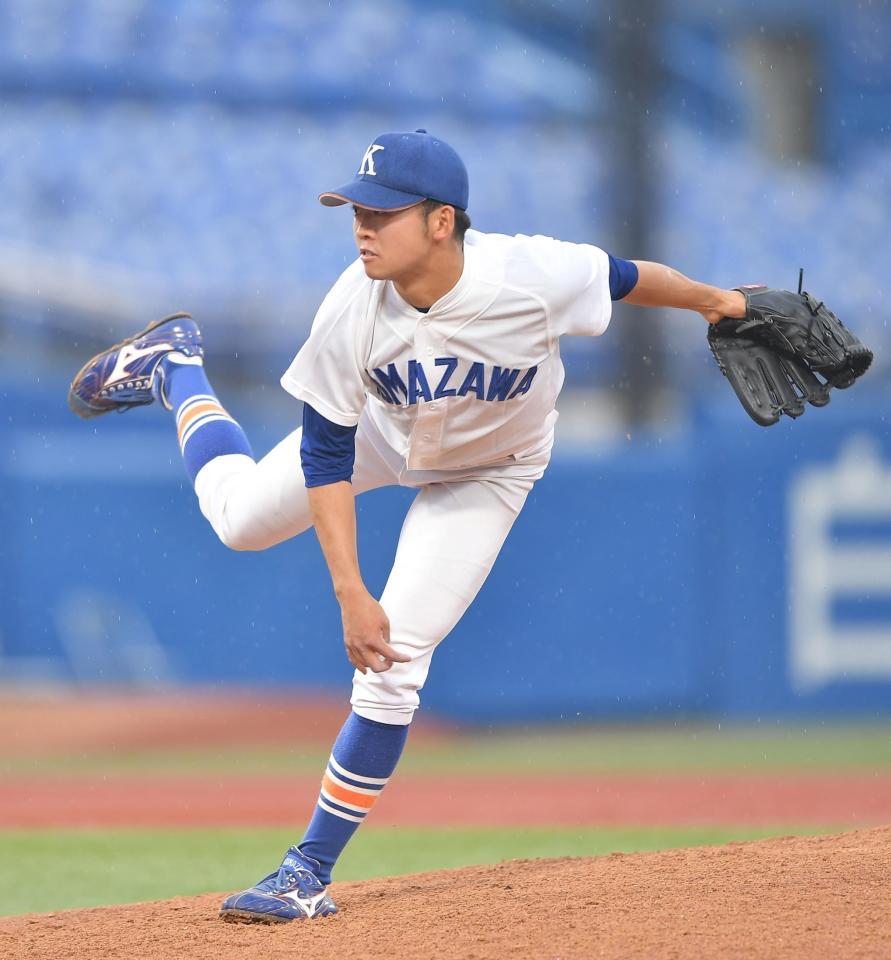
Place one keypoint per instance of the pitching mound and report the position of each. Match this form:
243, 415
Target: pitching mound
790, 897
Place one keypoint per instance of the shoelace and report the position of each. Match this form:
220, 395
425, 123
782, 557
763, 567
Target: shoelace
289, 877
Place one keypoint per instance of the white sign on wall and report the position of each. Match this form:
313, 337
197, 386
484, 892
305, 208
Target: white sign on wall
825, 570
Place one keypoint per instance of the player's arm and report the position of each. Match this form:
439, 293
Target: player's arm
657, 285
327, 452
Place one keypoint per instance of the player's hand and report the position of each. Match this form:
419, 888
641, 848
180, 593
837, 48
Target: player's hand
731, 304
366, 634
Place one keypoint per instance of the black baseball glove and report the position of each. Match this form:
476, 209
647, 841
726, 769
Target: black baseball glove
789, 349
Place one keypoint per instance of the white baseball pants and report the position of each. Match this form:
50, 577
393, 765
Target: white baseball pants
450, 538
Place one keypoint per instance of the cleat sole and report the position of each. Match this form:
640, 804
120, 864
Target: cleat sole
245, 916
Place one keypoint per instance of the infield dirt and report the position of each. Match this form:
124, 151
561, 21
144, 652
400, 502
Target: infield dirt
791, 897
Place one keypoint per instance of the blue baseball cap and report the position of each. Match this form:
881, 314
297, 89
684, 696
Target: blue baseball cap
399, 170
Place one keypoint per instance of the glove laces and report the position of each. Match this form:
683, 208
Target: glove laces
808, 299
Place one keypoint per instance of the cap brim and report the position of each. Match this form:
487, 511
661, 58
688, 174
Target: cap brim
373, 196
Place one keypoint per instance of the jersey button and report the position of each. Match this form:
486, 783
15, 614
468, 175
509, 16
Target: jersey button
426, 436
429, 351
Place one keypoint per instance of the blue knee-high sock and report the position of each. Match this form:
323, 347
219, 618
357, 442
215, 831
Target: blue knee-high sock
205, 429
365, 754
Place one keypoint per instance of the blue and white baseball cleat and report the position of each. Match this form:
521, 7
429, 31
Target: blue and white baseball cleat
292, 893
126, 375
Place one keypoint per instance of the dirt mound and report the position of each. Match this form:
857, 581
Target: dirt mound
785, 898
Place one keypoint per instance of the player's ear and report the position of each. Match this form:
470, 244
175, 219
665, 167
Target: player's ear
442, 222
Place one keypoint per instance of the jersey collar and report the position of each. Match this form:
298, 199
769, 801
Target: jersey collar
448, 301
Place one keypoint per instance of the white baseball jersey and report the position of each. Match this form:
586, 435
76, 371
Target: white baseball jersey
474, 381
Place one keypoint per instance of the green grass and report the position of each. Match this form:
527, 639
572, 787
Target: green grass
44, 870
597, 749
47, 870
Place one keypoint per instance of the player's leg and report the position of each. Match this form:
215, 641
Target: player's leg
255, 505
449, 541
250, 505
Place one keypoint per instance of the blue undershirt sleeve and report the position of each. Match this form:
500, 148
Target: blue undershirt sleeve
327, 450
622, 277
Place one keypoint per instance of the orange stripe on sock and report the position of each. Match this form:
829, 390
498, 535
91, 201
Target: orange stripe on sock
363, 800
193, 413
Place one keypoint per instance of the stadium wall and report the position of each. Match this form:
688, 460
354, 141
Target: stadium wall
728, 571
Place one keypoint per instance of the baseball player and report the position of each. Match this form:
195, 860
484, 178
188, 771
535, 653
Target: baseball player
433, 363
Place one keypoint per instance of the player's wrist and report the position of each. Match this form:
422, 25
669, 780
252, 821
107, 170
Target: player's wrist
349, 590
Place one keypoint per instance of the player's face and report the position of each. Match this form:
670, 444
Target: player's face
393, 244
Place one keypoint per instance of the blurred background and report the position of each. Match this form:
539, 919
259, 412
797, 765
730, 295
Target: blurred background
686, 638
676, 562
